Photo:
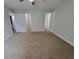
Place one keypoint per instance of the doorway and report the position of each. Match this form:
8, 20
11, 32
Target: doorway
48, 21
11, 16
28, 21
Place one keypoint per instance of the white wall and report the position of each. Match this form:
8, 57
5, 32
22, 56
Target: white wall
38, 20
7, 24
63, 21
20, 22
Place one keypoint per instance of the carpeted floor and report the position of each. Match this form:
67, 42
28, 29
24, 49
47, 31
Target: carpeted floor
37, 45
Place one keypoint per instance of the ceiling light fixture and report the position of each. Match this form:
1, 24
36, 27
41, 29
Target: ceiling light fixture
31, 0
21, 0
33, 3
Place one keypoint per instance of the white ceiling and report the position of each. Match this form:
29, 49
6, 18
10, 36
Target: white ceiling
40, 4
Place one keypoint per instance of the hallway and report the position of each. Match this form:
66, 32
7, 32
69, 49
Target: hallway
37, 45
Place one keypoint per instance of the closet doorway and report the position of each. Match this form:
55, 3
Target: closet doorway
48, 21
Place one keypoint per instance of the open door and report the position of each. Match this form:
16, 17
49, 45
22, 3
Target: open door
12, 24
20, 23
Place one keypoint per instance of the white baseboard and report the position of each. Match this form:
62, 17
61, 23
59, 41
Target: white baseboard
63, 39
5, 38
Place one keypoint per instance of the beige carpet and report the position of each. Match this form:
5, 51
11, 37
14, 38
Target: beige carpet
37, 45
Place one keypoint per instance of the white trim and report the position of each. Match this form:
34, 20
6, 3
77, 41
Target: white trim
64, 39
53, 20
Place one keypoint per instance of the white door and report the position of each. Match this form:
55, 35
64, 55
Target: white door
20, 23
